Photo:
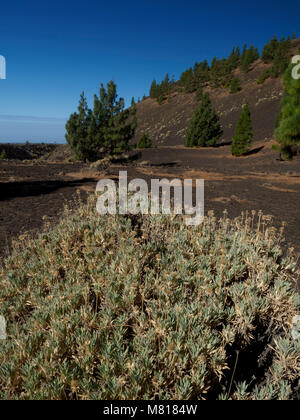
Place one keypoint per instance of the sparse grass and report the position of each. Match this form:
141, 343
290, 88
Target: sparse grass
130, 307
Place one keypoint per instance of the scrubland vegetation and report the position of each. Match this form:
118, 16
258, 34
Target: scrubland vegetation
130, 307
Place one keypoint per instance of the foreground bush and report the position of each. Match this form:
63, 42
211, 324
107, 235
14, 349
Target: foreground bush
125, 307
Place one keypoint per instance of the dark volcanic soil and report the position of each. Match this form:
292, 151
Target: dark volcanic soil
35, 192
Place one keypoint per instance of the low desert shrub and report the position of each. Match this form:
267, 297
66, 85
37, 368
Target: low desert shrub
130, 307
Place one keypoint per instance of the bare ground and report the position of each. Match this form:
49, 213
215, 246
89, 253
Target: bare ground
35, 192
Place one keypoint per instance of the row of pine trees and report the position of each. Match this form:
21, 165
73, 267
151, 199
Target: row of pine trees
205, 128
221, 71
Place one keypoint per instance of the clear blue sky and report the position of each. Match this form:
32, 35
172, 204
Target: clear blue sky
56, 49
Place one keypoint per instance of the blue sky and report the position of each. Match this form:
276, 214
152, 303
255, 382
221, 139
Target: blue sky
56, 49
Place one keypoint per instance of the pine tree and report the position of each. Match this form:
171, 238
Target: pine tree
220, 73
287, 132
244, 52
118, 124
277, 53
133, 102
234, 58
235, 85
160, 99
3, 154
281, 58
105, 130
199, 94
264, 75
165, 84
78, 132
269, 50
244, 134
153, 90
248, 57
204, 128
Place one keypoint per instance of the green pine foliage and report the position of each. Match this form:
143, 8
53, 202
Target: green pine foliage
105, 130
160, 99
235, 85
276, 52
234, 59
220, 73
248, 57
264, 75
161, 90
120, 123
153, 89
281, 59
144, 142
195, 77
79, 130
269, 50
187, 81
3, 154
201, 73
204, 128
287, 132
244, 134
199, 94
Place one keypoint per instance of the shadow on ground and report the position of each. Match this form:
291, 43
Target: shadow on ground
9, 190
